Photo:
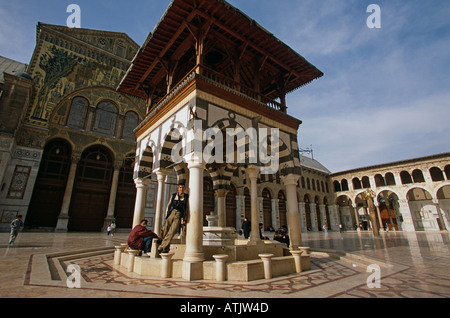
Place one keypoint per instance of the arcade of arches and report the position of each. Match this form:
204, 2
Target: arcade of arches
411, 195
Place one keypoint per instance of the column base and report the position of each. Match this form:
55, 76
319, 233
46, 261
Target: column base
62, 224
192, 270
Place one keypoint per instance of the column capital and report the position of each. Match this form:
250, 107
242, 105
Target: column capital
194, 161
142, 182
222, 192
161, 173
290, 179
252, 171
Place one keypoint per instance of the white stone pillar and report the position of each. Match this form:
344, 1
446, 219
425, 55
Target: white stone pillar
194, 256
301, 209
166, 265
112, 197
161, 176
275, 213
63, 218
221, 207
355, 211
221, 267
141, 198
290, 182
240, 210
252, 173
267, 262
313, 215
378, 213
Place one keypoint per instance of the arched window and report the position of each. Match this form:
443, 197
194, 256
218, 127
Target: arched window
379, 180
405, 177
130, 123
365, 182
389, 177
78, 112
105, 119
447, 171
337, 186
418, 176
356, 183
436, 174
344, 185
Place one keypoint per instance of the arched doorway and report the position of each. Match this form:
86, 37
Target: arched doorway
230, 203
423, 210
90, 196
267, 209
387, 201
126, 195
443, 196
346, 213
48, 192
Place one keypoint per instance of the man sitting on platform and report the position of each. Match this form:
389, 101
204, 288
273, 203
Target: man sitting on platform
140, 238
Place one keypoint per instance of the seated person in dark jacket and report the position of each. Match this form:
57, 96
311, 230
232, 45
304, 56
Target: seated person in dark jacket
140, 238
281, 235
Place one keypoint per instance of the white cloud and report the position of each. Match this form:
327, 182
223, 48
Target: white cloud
382, 135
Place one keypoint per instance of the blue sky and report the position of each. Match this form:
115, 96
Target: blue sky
385, 94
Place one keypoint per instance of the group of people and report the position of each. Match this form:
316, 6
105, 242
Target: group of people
141, 238
281, 235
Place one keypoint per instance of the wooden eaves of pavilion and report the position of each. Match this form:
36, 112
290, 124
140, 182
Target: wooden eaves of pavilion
211, 45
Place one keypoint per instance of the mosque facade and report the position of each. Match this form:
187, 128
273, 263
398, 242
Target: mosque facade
88, 126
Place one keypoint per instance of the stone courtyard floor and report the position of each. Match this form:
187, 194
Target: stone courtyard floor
411, 265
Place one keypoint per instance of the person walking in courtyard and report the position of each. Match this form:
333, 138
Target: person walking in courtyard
140, 238
246, 227
113, 228
15, 225
176, 215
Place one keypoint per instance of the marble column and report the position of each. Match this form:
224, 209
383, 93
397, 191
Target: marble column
302, 210
141, 198
378, 213
221, 207
355, 211
313, 215
161, 176
112, 197
194, 256
63, 218
290, 182
252, 173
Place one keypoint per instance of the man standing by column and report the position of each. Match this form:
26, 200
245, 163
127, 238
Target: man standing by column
175, 216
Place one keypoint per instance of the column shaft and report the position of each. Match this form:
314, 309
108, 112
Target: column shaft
141, 198
290, 182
